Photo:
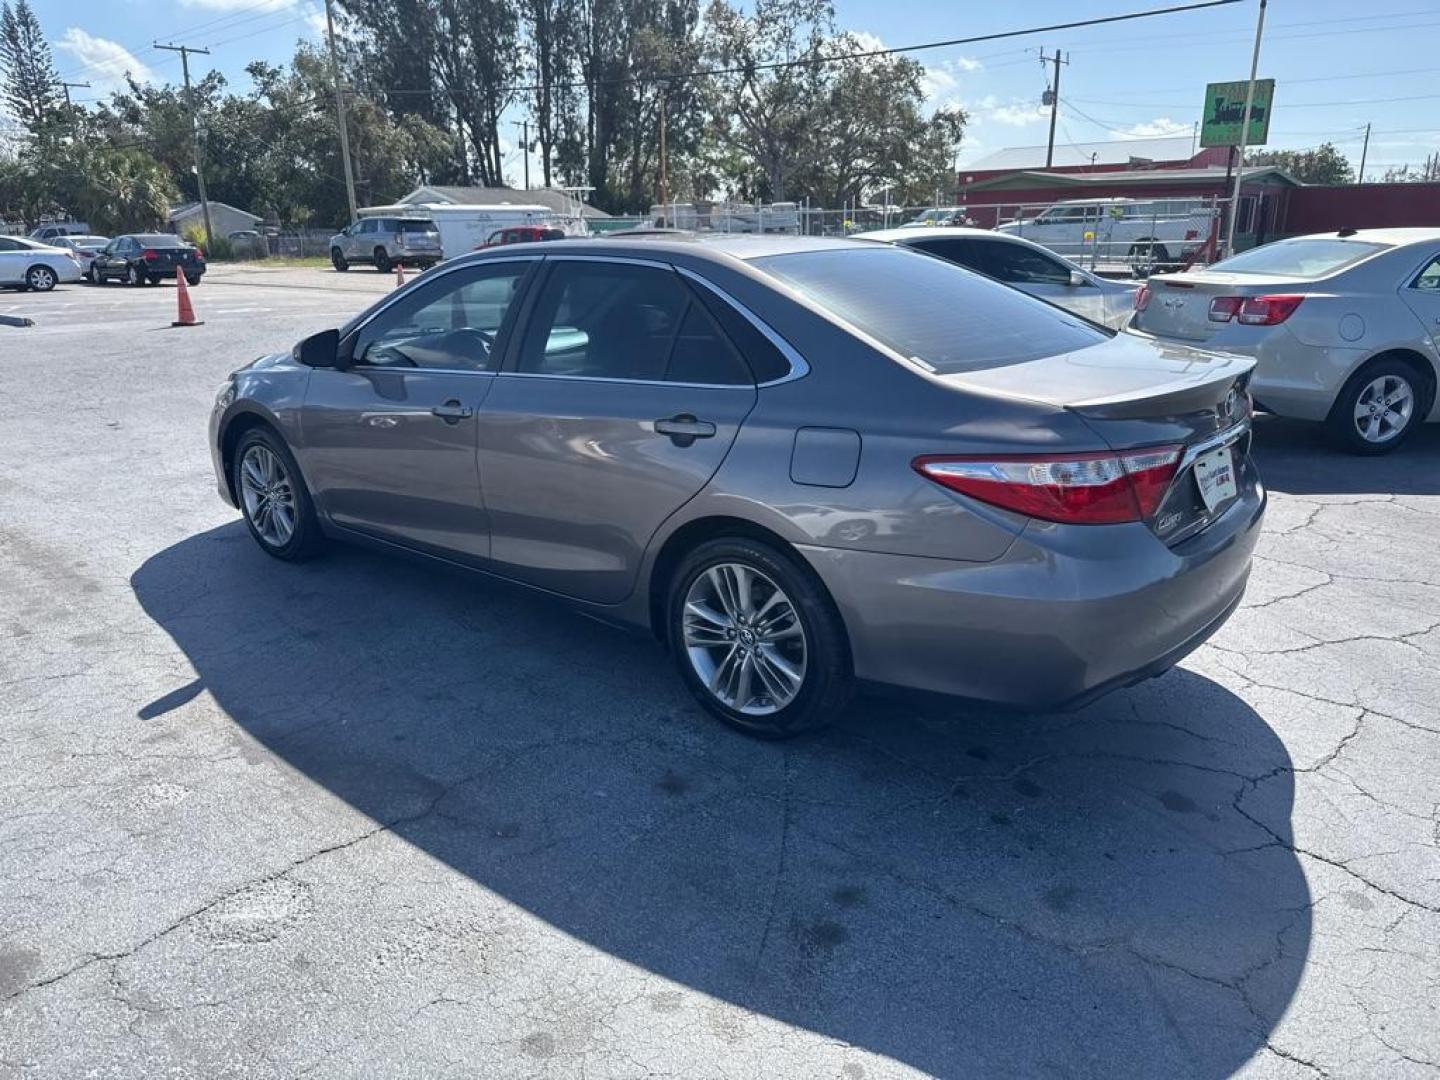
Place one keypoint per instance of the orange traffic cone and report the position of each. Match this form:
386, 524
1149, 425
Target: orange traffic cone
187, 310
399, 274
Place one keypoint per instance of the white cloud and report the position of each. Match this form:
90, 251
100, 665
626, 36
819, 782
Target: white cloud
1017, 112
936, 83
315, 21
237, 5
867, 41
104, 62
967, 63
1154, 129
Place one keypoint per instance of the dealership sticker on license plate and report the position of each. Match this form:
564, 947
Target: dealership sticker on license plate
1215, 475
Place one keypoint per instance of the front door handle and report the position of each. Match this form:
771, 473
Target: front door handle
452, 412
684, 429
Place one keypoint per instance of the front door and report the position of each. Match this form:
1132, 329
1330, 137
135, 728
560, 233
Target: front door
390, 442
618, 404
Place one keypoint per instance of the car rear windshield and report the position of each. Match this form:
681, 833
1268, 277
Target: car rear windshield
161, 240
413, 225
926, 309
1298, 258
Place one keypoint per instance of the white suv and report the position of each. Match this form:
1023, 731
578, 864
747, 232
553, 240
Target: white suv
387, 242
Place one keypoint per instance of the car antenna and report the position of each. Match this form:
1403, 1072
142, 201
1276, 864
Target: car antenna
1346, 232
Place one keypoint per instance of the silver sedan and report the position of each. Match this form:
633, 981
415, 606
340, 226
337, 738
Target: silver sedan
801, 463
1023, 265
1345, 327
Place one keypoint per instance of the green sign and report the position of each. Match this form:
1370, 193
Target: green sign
1225, 113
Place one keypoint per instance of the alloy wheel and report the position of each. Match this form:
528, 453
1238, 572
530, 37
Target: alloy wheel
268, 495
744, 639
42, 279
1384, 408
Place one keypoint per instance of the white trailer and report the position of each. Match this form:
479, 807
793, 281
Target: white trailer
465, 227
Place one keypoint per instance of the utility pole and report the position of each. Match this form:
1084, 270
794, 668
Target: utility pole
340, 111
1052, 98
185, 51
664, 162
1244, 134
524, 126
1364, 152
77, 85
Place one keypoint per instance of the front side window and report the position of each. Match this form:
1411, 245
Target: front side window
1015, 264
605, 320
454, 324
932, 311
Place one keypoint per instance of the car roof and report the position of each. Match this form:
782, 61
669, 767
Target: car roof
1394, 237
719, 247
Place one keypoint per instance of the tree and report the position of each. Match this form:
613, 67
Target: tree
28, 80
1323, 165
1410, 174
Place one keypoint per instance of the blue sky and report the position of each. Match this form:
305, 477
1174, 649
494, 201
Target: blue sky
1337, 64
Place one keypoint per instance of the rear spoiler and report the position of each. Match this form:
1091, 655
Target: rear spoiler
1142, 404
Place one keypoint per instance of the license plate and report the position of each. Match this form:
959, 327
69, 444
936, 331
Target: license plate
1215, 476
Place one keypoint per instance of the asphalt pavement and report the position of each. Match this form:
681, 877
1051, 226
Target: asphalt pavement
361, 817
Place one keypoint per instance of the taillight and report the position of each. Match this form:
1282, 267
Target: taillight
1224, 308
1192, 234
199, 252
1268, 310
148, 254
1142, 298
1084, 489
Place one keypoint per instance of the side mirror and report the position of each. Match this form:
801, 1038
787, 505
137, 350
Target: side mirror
1077, 279
320, 350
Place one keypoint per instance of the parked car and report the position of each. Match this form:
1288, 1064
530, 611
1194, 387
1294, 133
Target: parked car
1035, 510
1345, 327
85, 249
937, 216
248, 244
521, 234
387, 242
147, 259
1144, 234
29, 264
54, 230
1028, 267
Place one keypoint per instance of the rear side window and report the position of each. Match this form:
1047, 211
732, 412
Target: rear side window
932, 311
604, 320
766, 362
1298, 258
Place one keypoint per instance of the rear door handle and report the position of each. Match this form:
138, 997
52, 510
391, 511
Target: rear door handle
684, 429
452, 412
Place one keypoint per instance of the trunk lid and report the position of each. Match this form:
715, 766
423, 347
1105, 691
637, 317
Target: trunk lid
1179, 306
1134, 392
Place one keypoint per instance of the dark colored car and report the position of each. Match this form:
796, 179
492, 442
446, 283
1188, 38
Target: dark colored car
801, 463
521, 234
148, 259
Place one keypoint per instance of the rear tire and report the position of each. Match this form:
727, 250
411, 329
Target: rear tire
757, 639
40, 278
273, 498
382, 261
1379, 406
337, 260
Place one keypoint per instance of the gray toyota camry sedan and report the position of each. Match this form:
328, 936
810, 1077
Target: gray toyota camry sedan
803, 464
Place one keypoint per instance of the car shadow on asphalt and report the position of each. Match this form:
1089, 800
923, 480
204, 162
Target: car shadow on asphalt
1107, 893
1298, 458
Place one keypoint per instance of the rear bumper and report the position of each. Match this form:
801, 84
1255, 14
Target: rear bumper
1067, 614
172, 271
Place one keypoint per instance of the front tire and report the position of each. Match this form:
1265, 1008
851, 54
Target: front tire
1378, 408
337, 260
273, 497
40, 279
757, 639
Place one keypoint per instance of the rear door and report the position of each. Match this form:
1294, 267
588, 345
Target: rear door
1422, 296
12, 260
390, 442
618, 403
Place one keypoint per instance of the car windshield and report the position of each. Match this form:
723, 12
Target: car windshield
414, 225
1298, 258
926, 309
